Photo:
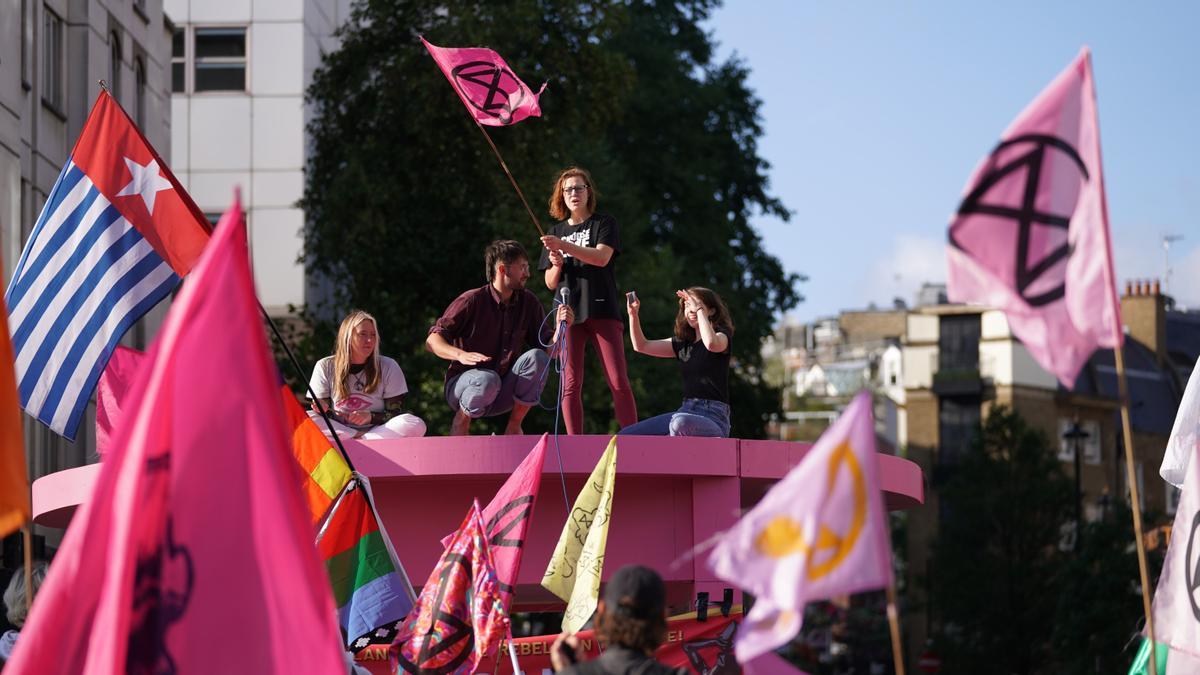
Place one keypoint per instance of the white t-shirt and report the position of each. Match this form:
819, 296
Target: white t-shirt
391, 383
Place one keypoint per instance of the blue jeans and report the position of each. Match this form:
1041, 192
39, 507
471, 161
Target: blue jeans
697, 417
484, 393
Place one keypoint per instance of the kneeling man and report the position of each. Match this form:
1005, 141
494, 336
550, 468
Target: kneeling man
483, 334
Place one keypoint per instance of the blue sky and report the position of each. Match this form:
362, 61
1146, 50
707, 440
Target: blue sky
875, 114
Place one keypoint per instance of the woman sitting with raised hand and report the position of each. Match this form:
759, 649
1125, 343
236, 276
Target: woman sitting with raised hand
362, 391
703, 329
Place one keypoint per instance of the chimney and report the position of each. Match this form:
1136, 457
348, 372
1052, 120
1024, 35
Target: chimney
1145, 316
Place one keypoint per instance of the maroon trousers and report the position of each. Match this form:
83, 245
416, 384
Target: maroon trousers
608, 336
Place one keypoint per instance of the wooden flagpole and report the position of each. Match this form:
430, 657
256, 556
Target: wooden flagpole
1135, 500
541, 232
894, 623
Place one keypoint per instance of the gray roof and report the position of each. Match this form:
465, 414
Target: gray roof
1154, 392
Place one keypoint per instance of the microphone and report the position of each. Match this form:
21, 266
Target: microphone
564, 295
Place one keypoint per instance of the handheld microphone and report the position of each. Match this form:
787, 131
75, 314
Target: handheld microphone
564, 295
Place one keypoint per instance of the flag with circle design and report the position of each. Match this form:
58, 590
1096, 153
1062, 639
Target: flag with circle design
821, 531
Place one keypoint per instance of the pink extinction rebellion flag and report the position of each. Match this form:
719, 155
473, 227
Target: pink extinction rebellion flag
114, 384
493, 94
1031, 235
194, 553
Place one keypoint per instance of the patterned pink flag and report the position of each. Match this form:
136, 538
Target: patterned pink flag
507, 518
114, 384
459, 618
1031, 235
195, 552
493, 94
821, 531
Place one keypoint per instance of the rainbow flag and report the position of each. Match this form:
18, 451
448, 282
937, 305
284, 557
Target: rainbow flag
370, 587
325, 472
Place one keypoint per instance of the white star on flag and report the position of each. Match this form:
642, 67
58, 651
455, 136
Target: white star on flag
146, 183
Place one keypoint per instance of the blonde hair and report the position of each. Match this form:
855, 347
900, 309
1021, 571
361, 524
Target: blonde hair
558, 205
14, 595
342, 352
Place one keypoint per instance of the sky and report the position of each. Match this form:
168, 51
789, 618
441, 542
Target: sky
876, 113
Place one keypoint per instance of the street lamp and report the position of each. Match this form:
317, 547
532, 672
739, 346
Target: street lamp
1076, 436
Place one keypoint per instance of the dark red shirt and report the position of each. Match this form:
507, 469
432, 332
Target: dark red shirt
478, 322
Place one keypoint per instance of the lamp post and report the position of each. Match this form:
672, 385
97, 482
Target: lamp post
1076, 436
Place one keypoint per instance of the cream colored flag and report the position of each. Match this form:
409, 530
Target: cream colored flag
578, 561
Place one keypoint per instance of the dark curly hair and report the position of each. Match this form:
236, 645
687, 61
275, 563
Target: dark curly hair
619, 626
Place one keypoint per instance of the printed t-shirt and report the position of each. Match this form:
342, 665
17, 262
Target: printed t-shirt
593, 289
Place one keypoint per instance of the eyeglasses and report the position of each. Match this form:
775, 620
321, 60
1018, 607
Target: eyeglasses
574, 189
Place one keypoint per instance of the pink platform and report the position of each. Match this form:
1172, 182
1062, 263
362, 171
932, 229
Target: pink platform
671, 494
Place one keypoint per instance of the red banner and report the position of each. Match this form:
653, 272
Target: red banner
704, 647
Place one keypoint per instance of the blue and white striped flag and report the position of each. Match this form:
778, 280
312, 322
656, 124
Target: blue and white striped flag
113, 239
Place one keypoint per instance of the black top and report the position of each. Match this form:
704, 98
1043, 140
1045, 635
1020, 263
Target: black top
705, 374
620, 660
593, 289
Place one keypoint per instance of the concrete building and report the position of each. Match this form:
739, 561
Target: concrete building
52, 55
239, 70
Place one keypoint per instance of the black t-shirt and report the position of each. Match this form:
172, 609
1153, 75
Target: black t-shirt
593, 289
705, 374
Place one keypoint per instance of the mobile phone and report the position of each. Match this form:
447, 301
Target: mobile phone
631, 296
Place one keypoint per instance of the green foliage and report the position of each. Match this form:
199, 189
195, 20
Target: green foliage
402, 194
996, 563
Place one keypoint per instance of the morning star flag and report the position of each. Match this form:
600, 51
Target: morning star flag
194, 553
507, 518
821, 531
1185, 433
459, 618
14, 478
578, 560
115, 236
325, 471
493, 94
1031, 235
370, 587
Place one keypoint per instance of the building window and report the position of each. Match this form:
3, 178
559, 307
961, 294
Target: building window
179, 61
25, 45
1090, 444
219, 56
958, 343
139, 92
52, 60
114, 64
958, 421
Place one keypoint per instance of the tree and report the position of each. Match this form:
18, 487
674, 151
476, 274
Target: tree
402, 195
996, 561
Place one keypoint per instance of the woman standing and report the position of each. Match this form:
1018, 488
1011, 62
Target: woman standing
363, 391
581, 253
703, 329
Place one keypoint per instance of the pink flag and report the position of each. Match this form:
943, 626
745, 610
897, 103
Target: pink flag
493, 94
820, 532
506, 519
111, 391
1031, 235
195, 553
459, 618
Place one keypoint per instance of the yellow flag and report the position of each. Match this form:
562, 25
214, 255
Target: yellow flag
14, 480
574, 570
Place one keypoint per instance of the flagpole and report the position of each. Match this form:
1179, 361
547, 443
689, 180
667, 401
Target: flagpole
1122, 383
27, 539
541, 233
894, 623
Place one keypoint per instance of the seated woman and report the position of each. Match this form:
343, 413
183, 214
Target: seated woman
362, 391
703, 330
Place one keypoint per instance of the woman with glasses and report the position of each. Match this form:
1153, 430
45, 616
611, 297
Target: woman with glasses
703, 329
581, 252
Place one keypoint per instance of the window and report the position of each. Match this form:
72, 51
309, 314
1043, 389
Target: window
25, 45
220, 59
179, 61
52, 60
114, 64
139, 92
958, 343
958, 420
1090, 443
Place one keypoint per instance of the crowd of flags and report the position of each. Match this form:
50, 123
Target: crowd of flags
227, 533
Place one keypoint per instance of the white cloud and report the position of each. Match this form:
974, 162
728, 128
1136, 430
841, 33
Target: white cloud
911, 261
